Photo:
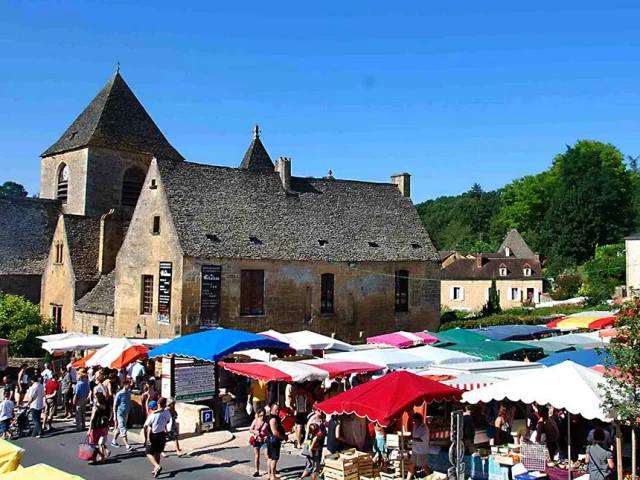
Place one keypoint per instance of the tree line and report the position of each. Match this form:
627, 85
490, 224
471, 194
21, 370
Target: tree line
588, 198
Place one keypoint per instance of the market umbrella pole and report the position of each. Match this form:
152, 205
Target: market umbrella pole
569, 445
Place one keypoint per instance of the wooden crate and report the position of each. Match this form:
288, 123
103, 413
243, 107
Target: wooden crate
339, 463
334, 474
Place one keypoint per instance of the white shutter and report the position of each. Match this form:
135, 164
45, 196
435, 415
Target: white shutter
536, 296
461, 293
487, 293
520, 294
450, 293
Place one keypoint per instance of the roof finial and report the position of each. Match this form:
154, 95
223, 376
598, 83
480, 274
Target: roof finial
256, 131
330, 176
117, 67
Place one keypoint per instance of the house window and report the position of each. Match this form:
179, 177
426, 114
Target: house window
526, 271
326, 293
252, 292
402, 291
95, 330
503, 271
132, 186
156, 225
62, 191
56, 315
457, 293
59, 257
146, 305
514, 294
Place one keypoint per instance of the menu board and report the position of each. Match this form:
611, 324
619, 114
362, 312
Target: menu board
210, 296
164, 293
194, 381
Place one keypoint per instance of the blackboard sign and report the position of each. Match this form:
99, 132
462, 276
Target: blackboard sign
164, 293
210, 296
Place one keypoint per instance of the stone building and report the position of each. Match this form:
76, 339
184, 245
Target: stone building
467, 278
135, 241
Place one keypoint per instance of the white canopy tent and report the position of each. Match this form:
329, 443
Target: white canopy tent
299, 348
391, 359
567, 385
440, 356
95, 342
61, 336
502, 369
315, 341
109, 353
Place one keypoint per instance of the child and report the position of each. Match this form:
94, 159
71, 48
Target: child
6, 415
173, 429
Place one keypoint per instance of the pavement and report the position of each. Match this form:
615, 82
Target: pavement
219, 455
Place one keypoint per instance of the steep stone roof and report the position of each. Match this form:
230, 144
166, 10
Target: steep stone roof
83, 237
222, 212
101, 298
516, 243
257, 158
26, 230
467, 269
116, 119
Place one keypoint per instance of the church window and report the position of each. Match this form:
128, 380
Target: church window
56, 315
62, 191
252, 292
146, 305
326, 293
59, 253
402, 291
156, 225
132, 186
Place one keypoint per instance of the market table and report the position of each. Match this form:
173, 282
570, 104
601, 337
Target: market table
476, 467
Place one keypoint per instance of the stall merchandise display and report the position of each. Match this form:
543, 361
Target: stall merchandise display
339, 467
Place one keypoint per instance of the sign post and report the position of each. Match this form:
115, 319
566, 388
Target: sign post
456, 451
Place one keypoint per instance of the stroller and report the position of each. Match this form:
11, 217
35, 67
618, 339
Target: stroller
20, 425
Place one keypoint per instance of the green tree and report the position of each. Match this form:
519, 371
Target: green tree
623, 371
21, 323
603, 273
493, 304
590, 203
12, 189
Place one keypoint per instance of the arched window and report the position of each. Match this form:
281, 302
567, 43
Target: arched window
132, 186
62, 189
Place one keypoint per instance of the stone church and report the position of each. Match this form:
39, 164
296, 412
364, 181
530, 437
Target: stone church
129, 239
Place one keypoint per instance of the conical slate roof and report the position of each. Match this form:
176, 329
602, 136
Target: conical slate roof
516, 244
257, 158
116, 119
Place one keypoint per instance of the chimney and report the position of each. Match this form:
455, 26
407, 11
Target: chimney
283, 167
110, 241
403, 181
479, 260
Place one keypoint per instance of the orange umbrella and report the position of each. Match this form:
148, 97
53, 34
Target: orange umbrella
130, 355
82, 363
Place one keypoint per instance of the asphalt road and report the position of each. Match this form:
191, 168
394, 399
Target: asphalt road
60, 449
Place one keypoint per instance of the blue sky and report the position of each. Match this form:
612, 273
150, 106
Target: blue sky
452, 92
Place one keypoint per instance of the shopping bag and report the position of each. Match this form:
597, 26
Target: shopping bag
86, 451
249, 409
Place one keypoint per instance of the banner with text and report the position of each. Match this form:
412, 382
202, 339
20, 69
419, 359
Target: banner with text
164, 293
210, 296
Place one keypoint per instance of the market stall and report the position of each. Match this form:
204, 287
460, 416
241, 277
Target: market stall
586, 358
94, 342
295, 348
278, 371
316, 341
388, 358
494, 350
441, 356
39, 471
117, 354
515, 332
577, 389
502, 369
403, 339
339, 368
592, 320
549, 346
458, 335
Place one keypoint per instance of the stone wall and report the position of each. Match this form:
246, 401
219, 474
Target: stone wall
140, 254
77, 162
475, 293
364, 297
106, 169
28, 286
85, 322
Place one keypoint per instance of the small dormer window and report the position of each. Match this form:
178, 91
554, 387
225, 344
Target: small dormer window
507, 251
255, 240
526, 271
373, 244
322, 243
156, 225
503, 271
416, 246
213, 238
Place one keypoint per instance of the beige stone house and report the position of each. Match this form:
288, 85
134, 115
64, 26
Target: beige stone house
129, 239
467, 278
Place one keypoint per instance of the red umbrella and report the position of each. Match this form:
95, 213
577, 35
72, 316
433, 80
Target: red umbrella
387, 398
130, 355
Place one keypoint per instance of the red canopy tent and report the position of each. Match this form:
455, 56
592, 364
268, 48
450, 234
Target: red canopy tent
385, 400
340, 368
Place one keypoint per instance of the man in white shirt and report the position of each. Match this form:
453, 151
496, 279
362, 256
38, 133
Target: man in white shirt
47, 373
155, 433
137, 372
36, 405
72, 370
420, 449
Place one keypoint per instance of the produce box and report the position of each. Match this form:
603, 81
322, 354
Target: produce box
337, 467
332, 474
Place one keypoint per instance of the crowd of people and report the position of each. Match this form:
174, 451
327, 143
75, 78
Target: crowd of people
102, 395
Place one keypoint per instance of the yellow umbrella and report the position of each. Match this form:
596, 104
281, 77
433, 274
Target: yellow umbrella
39, 471
10, 456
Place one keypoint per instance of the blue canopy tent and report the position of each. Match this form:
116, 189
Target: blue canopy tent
586, 358
515, 332
213, 345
